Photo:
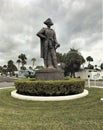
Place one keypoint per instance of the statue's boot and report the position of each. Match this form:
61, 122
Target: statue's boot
55, 63
45, 63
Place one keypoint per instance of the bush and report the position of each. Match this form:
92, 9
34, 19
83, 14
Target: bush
49, 88
67, 78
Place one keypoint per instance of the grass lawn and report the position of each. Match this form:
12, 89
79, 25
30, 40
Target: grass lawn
80, 114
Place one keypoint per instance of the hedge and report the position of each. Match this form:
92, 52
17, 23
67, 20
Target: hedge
49, 88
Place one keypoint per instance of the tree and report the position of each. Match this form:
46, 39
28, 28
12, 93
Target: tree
89, 59
90, 66
11, 67
33, 60
101, 66
96, 67
60, 60
1, 68
4, 69
18, 62
73, 60
30, 68
23, 59
39, 67
59, 57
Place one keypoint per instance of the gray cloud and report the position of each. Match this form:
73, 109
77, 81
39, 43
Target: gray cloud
78, 23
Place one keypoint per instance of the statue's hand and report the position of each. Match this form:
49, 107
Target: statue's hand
57, 45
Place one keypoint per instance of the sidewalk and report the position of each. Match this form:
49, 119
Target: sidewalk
94, 86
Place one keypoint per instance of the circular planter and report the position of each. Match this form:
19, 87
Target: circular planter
48, 98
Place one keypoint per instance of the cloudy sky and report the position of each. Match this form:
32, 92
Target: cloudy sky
77, 23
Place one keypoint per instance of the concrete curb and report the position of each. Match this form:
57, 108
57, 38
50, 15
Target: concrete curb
101, 99
49, 98
95, 87
7, 87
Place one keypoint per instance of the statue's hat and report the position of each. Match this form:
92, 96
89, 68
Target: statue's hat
48, 22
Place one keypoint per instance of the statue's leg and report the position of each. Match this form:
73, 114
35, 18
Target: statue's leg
54, 58
45, 52
55, 63
45, 63
50, 62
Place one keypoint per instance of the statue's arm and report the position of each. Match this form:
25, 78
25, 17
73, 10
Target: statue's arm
56, 42
41, 33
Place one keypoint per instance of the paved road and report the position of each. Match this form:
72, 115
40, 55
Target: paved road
6, 81
6, 84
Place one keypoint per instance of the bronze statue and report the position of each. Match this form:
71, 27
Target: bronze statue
49, 45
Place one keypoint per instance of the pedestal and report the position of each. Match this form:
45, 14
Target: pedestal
50, 74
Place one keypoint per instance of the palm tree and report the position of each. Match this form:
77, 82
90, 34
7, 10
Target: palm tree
18, 62
23, 59
33, 60
89, 59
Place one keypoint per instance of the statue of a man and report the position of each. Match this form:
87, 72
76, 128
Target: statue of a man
49, 45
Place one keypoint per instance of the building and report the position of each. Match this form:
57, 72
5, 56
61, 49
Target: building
89, 73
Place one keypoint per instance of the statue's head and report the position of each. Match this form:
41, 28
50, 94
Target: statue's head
48, 22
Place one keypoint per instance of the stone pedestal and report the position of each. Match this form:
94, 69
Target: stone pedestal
50, 74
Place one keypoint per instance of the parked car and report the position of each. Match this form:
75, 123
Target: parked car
29, 74
21, 73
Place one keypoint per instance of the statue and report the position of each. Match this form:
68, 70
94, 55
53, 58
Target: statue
49, 45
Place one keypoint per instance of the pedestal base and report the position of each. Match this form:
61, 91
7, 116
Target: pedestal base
50, 74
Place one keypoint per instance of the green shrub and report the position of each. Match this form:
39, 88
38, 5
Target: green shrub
67, 78
49, 88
